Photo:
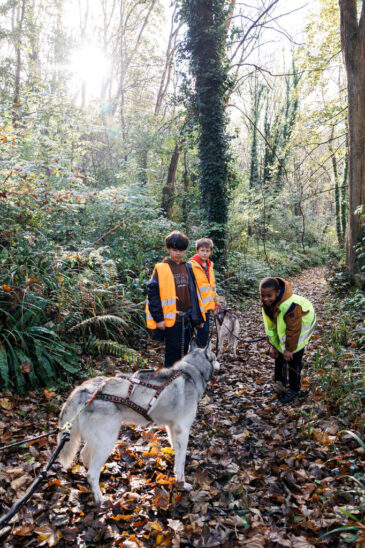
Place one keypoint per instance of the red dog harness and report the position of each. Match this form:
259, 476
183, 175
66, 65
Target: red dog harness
128, 402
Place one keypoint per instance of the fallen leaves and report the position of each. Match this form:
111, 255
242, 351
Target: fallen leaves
263, 474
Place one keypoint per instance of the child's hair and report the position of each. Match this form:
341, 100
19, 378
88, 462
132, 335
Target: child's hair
270, 282
177, 240
204, 242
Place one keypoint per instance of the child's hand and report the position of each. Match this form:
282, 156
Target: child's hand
288, 356
273, 353
161, 325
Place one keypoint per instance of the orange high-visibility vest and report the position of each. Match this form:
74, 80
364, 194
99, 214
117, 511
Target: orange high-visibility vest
206, 287
167, 290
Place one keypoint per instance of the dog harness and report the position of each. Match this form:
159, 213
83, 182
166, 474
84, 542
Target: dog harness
131, 404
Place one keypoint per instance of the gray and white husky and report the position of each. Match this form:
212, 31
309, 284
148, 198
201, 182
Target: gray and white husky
228, 329
98, 424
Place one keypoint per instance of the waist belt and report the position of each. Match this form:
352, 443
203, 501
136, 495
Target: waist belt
131, 404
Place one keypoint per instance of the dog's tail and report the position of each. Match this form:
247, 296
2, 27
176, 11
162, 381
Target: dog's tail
68, 412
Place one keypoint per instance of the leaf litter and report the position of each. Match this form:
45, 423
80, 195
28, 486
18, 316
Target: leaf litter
263, 474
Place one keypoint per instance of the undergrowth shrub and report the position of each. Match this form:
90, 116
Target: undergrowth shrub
245, 270
339, 368
86, 254
31, 352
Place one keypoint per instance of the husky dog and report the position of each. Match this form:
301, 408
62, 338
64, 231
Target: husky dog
228, 329
98, 424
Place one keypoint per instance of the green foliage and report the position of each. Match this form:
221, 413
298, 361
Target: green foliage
339, 279
246, 269
31, 351
339, 368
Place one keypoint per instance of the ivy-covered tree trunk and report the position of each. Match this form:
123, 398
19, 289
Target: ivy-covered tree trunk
205, 45
353, 45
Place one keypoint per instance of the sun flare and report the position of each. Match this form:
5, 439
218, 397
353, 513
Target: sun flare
90, 66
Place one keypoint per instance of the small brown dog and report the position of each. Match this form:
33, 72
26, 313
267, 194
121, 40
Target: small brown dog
228, 329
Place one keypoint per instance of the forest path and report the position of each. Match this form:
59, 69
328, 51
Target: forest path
258, 448
263, 474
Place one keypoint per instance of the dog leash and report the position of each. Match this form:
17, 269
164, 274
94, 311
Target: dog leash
24, 442
42, 476
257, 339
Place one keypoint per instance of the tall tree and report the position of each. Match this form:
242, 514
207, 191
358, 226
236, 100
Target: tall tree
205, 46
18, 62
353, 46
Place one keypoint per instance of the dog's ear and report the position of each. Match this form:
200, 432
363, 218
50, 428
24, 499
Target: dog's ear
208, 349
193, 344
211, 357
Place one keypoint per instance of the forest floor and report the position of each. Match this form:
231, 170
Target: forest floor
264, 474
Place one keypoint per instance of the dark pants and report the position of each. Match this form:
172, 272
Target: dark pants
174, 342
202, 333
294, 370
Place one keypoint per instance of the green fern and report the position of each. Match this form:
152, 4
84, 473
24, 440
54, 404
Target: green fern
4, 367
70, 321
104, 320
44, 364
113, 348
34, 381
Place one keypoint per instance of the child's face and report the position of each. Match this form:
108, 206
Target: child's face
204, 252
176, 255
269, 295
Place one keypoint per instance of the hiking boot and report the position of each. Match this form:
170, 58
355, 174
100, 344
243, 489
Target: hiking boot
289, 397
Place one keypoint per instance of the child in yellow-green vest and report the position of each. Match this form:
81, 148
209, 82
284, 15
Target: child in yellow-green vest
173, 305
289, 321
205, 278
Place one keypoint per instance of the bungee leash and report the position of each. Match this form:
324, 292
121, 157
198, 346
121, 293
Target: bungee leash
24, 442
66, 431
257, 339
42, 476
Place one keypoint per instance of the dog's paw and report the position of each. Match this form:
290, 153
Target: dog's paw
184, 486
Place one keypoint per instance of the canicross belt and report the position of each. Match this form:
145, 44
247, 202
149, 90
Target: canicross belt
133, 405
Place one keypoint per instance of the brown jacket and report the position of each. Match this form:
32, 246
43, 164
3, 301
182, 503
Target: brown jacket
293, 317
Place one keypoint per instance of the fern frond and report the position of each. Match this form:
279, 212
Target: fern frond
107, 318
31, 374
18, 376
70, 321
114, 349
4, 367
44, 364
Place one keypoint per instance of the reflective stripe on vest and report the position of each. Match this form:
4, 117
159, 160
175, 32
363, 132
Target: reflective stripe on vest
167, 291
207, 291
277, 333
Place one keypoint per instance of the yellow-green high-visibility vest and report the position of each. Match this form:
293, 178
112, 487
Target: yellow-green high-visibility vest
277, 333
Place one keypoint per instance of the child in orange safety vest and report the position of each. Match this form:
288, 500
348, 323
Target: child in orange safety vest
173, 305
204, 275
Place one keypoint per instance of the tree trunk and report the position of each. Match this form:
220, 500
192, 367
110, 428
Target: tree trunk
343, 188
18, 63
184, 207
168, 190
166, 73
353, 45
339, 233
205, 44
